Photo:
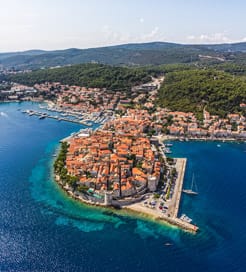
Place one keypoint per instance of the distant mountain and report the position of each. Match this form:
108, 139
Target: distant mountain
227, 47
25, 53
153, 53
148, 46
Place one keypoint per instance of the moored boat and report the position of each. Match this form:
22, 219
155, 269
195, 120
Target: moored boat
191, 191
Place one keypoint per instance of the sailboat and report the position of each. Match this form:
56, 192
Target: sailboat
190, 191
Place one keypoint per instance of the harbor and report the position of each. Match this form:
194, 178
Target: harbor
84, 119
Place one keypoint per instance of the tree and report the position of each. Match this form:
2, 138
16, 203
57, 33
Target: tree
73, 182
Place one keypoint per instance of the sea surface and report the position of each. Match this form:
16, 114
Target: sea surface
41, 229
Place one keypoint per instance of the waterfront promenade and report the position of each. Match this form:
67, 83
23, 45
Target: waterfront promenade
190, 138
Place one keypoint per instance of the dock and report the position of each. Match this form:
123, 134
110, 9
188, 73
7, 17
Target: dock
180, 166
180, 223
175, 204
140, 209
43, 115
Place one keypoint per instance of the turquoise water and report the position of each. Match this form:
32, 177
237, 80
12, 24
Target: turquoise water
41, 229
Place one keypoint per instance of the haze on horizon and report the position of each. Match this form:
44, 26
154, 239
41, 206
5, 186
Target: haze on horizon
60, 24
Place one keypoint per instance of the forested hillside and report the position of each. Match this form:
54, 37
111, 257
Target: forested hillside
191, 90
186, 87
88, 75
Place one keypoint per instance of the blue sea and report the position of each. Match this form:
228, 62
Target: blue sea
41, 229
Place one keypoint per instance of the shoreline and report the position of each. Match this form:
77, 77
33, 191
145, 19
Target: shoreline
205, 139
126, 211
138, 208
131, 210
160, 137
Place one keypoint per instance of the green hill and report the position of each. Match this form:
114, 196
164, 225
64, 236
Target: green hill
186, 87
191, 90
88, 75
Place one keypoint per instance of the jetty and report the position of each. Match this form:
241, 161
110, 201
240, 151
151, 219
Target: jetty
180, 166
175, 204
43, 115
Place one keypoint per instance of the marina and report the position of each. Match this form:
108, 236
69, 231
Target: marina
69, 115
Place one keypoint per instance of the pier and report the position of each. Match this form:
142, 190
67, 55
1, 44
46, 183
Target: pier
43, 115
180, 167
175, 202
140, 209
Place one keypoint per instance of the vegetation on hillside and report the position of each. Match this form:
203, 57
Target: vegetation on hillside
187, 87
87, 75
232, 68
192, 90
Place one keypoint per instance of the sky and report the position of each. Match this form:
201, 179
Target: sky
60, 24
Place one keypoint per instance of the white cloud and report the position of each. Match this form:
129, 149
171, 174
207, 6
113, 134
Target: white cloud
112, 36
191, 38
141, 20
222, 37
154, 35
210, 38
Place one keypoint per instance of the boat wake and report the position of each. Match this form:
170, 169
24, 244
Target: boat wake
3, 114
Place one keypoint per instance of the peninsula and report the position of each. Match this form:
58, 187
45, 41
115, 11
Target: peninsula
123, 165
120, 166
124, 162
